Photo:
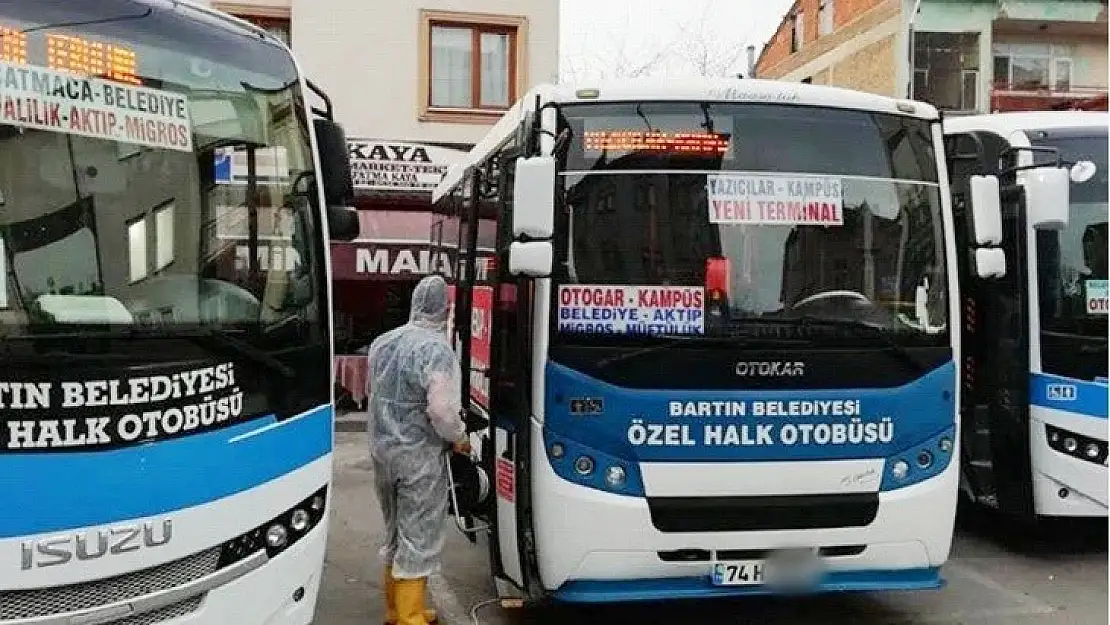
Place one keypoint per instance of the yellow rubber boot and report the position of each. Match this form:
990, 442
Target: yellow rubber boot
390, 585
409, 595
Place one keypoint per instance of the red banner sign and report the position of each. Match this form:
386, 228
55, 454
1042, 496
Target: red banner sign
481, 317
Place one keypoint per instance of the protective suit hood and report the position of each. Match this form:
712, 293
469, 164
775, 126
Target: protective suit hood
429, 304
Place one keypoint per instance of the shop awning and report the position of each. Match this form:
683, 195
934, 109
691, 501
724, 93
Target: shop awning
396, 245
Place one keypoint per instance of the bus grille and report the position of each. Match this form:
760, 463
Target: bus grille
40, 602
181, 608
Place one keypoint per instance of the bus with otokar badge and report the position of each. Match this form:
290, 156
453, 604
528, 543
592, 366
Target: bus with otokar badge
166, 410
1035, 380
717, 347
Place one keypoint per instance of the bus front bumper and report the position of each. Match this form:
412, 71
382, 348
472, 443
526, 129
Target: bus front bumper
598, 546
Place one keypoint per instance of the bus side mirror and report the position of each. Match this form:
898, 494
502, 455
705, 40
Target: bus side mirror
532, 259
986, 210
1047, 197
990, 262
335, 176
534, 197
986, 218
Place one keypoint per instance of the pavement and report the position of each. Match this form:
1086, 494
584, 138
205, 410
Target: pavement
1009, 578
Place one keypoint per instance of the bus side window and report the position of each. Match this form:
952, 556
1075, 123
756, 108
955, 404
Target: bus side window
508, 357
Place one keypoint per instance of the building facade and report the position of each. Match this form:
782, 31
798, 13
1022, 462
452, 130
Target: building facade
416, 83
963, 56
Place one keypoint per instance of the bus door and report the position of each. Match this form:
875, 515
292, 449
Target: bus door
510, 399
994, 429
495, 353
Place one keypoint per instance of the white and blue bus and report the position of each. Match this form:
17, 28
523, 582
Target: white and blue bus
717, 345
166, 421
1035, 398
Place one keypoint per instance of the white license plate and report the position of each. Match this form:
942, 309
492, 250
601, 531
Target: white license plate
738, 573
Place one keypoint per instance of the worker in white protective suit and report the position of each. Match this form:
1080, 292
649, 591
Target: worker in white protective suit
414, 404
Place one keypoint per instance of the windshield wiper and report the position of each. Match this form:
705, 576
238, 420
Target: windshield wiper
856, 327
217, 338
1091, 344
207, 337
670, 340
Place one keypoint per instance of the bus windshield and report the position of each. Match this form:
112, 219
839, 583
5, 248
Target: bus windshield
1072, 263
153, 172
755, 213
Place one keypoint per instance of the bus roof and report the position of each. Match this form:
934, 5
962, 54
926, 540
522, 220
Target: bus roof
1005, 124
679, 90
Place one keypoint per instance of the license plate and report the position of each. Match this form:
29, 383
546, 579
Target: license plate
738, 573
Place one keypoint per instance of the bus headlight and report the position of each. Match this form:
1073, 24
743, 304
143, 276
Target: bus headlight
900, 470
584, 465
1079, 446
924, 459
614, 476
279, 533
276, 536
299, 520
1092, 450
590, 467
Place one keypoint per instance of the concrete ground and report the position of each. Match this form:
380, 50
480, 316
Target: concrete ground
1014, 580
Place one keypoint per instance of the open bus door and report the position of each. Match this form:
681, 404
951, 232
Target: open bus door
492, 331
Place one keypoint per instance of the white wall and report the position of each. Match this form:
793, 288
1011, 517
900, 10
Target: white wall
364, 54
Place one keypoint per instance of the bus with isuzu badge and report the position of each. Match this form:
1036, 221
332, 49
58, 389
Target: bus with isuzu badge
1035, 380
714, 343
166, 419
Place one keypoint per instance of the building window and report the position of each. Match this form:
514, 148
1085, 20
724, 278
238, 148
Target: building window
1061, 74
797, 32
163, 237
136, 246
139, 252
471, 65
946, 70
274, 20
920, 81
1032, 67
825, 17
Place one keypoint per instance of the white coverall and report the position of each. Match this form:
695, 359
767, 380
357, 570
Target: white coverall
414, 390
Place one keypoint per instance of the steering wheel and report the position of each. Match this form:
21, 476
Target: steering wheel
187, 295
843, 294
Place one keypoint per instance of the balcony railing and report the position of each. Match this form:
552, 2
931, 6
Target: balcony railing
1007, 97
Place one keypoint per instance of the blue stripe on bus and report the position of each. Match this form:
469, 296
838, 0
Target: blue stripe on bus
57, 491
671, 588
1068, 394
